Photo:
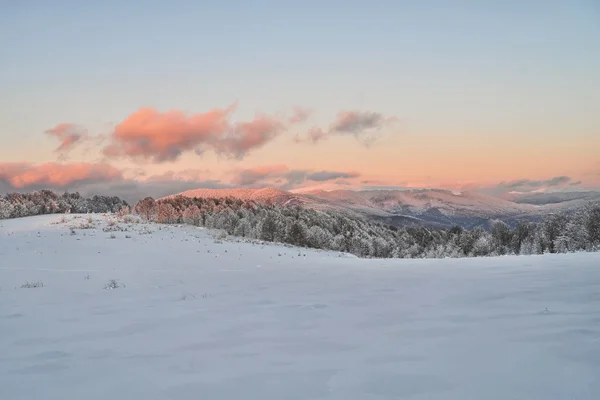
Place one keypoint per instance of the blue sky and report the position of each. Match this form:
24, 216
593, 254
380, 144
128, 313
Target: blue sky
499, 77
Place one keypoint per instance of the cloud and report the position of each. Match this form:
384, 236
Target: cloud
365, 126
281, 176
151, 135
100, 179
358, 122
55, 175
159, 137
529, 184
295, 177
156, 186
246, 136
186, 175
251, 176
323, 176
314, 135
69, 136
299, 115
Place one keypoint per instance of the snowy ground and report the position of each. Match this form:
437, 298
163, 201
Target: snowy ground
203, 320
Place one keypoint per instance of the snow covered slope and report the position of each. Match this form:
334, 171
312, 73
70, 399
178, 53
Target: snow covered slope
198, 318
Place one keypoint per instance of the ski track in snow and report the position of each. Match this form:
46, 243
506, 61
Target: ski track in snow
200, 319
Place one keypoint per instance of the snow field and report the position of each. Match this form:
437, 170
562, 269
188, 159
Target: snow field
196, 317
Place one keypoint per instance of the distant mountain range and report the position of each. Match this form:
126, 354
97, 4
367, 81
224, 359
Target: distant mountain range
429, 207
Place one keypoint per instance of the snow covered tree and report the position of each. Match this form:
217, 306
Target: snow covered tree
483, 246
191, 215
166, 213
552, 228
268, 228
147, 208
501, 237
5, 209
592, 224
296, 234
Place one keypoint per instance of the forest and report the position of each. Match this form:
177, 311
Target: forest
17, 205
328, 230
559, 233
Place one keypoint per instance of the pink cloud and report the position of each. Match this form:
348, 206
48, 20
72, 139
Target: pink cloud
314, 135
69, 135
150, 135
246, 136
364, 125
299, 115
25, 175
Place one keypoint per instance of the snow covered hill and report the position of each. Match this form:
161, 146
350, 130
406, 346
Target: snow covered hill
264, 195
141, 311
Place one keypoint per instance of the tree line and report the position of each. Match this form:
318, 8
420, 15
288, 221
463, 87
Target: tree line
328, 230
17, 205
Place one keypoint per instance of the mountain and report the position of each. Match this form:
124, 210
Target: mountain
431, 207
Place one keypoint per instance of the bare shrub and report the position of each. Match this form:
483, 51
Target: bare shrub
145, 231
62, 220
123, 212
89, 224
219, 234
31, 285
113, 284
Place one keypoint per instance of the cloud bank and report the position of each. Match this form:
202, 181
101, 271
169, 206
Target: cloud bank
160, 137
55, 175
282, 177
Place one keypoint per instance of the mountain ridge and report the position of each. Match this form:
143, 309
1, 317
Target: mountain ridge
435, 207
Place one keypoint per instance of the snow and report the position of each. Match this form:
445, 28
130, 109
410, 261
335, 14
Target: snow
198, 318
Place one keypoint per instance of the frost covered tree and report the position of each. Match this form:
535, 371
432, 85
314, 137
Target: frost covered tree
15, 205
191, 215
592, 224
343, 232
501, 237
166, 214
146, 208
296, 234
268, 228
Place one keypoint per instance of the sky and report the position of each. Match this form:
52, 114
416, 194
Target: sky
154, 97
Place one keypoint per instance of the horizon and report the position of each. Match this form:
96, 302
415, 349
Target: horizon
108, 99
